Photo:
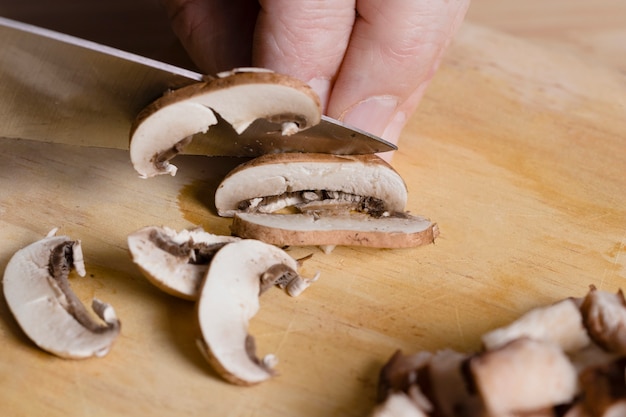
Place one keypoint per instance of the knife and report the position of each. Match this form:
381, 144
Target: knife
62, 89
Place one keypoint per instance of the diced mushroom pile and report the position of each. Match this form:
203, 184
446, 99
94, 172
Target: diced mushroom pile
225, 276
567, 359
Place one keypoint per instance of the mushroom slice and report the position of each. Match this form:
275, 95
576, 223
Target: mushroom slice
175, 262
229, 298
38, 294
604, 316
330, 200
338, 177
354, 230
164, 127
523, 376
560, 323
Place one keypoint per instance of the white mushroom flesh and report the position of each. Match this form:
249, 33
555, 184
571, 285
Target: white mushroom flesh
229, 298
38, 294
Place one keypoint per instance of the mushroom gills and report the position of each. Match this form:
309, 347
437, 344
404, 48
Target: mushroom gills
38, 293
316, 202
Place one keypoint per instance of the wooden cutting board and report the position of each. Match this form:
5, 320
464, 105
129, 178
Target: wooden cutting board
519, 154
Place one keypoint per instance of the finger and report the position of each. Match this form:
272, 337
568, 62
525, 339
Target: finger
217, 34
306, 39
393, 53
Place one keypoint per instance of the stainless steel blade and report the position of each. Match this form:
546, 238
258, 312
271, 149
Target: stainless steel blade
62, 89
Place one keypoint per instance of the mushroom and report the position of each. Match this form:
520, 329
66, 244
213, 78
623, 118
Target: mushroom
240, 97
605, 389
38, 294
604, 315
321, 199
436, 383
560, 323
523, 376
229, 298
175, 262
398, 404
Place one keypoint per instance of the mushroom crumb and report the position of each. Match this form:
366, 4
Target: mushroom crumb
542, 365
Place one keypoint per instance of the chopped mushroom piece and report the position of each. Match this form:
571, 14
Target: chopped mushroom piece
38, 294
560, 323
229, 298
604, 315
240, 97
398, 404
175, 262
524, 375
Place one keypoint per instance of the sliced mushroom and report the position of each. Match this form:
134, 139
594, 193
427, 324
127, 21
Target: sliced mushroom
349, 230
316, 177
523, 376
240, 97
38, 294
604, 315
229, 298
560, 323
330, 200
175, 262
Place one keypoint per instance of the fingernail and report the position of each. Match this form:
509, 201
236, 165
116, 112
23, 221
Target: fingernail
322, 87
394, 128
372, 115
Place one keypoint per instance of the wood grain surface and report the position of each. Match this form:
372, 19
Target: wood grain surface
518, 152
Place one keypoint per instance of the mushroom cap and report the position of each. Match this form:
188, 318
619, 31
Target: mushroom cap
41, 306
350, 230
277, 174
229, 298
172, 272
239, 98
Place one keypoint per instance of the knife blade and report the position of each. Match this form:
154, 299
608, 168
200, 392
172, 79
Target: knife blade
62, 89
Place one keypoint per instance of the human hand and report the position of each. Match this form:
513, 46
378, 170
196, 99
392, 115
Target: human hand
369, 60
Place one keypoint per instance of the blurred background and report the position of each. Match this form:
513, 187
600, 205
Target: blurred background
596, 28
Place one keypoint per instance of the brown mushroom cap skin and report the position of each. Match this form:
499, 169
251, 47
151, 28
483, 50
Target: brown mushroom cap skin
524, 375
38, 294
